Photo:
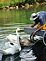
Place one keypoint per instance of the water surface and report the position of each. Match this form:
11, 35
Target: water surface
11, 19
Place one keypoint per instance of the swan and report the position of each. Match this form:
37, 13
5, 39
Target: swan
25, 41
14, 38
13, 45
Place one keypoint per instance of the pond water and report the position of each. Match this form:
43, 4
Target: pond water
11, 19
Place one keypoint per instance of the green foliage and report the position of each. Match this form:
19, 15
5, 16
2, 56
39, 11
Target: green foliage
4, 4
1, 4
40, 1
14, 2
17, 1
34, 1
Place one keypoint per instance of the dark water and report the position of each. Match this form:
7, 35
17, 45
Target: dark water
9, 21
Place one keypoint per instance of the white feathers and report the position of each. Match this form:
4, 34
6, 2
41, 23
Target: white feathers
13, 46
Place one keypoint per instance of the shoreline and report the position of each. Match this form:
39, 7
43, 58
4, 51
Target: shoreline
22, 6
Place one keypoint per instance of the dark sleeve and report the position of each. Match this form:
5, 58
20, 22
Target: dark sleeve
41, 22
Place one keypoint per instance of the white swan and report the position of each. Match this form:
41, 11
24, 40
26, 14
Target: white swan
13, 46
14, 38
25, 42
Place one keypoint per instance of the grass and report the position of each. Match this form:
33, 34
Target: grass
4, 3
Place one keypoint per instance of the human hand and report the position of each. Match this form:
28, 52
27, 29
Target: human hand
33, 34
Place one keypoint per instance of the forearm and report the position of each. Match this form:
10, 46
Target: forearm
39, 28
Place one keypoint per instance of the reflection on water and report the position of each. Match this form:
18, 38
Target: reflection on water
10, 20
11, 58
4, 31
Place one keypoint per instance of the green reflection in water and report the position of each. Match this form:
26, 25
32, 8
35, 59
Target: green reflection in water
18, 16
14, 16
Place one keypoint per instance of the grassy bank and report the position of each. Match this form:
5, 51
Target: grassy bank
4, 3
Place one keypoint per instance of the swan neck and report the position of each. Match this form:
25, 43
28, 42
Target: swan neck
17, 32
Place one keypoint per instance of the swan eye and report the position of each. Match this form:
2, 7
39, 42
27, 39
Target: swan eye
11, 43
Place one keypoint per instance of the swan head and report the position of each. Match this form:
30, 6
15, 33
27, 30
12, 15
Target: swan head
18, 29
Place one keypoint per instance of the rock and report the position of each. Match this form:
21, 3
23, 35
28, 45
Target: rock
7, 7
23, 6
37, 3
30, 6
17, 7
26, 6
11, 8
4, 8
